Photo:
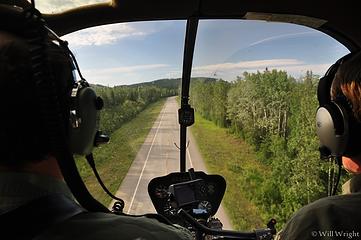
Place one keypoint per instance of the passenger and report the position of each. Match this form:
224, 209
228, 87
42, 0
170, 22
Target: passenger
337, 217
29, 169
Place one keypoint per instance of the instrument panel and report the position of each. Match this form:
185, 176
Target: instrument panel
200, 194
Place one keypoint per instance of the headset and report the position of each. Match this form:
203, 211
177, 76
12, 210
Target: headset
337, 128
69, 131
84, 103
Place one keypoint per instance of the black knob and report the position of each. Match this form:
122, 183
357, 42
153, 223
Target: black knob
118, 207
100, 139
271, 225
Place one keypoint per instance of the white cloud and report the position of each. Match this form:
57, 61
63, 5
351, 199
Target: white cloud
229, 71
124, 75
56, 6
106, 34
127, 69
244, 65
296, 71
280, 37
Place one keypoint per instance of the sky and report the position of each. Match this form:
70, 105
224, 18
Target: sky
127, 53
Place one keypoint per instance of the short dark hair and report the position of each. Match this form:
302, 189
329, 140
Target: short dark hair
347, 82
23, 135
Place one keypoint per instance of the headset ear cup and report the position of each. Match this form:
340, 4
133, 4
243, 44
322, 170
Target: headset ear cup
333, 124
332, 128
83, 122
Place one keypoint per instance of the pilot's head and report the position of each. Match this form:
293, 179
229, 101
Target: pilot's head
23, 134
347, 82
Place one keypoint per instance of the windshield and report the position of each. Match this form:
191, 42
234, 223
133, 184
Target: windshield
253, 89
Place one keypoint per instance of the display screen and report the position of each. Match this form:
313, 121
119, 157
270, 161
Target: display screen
184, 194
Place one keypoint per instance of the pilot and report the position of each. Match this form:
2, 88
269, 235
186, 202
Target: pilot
337, 217
29, 169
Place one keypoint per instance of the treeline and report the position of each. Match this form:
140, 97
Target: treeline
123, 103
274, 113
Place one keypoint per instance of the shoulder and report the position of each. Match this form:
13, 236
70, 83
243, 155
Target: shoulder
110, 226
326, 214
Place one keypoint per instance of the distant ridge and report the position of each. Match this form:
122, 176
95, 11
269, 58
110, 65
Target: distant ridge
170, 83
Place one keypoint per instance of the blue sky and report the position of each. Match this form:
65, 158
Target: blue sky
129, 53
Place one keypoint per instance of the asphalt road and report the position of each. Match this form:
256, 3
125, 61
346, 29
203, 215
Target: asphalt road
159, 156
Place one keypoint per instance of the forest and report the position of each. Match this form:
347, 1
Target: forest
123, 103
275, 114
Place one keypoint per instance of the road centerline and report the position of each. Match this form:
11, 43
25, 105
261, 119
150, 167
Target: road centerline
145, 163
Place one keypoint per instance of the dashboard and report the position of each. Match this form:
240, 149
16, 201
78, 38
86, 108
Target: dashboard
196, 192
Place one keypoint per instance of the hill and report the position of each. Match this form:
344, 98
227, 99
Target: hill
169, 83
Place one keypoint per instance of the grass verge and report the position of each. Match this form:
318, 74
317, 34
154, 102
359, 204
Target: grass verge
235, 160
114, 159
